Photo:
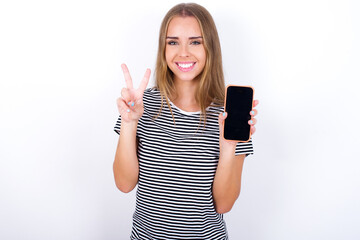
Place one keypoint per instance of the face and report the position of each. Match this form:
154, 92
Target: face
185, 53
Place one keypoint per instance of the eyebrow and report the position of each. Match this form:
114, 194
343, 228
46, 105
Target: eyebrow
168, 37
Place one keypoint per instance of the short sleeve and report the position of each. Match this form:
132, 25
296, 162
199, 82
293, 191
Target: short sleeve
118, 125
244, 148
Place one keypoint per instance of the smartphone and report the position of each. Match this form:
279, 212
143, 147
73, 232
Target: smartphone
238, 104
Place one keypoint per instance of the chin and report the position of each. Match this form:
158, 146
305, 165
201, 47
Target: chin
186, 79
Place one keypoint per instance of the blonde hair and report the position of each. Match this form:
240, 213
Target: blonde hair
211, 81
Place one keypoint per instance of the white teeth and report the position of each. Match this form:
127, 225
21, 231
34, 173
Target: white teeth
186, 65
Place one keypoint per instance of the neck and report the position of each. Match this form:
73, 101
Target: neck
184, 97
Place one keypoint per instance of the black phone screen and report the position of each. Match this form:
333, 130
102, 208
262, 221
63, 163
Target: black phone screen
238, 105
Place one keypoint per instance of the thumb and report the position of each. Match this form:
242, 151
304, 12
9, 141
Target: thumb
222, 117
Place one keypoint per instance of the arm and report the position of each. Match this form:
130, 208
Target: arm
126, 164
227, 181
131, 108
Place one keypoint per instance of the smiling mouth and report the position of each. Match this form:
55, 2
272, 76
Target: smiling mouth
185, 66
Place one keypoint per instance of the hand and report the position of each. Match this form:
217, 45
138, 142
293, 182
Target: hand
252, 122
130, 104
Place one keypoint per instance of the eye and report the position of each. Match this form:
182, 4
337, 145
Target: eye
195, 42
171, 42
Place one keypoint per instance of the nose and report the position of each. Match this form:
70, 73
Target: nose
184, 50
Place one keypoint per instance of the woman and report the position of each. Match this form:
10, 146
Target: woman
170, 144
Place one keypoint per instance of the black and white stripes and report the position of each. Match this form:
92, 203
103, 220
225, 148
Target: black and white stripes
177, 167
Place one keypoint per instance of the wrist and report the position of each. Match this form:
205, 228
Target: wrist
129, 126
227, 150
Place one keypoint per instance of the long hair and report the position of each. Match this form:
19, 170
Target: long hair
211, 89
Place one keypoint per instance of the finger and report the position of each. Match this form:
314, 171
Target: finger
256, 102
122, 106
253, 112
252, 130
127, 76
125, 94
252, 122
145, 80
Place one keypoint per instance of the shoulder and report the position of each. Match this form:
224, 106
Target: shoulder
152, 100
214, 109
151, 93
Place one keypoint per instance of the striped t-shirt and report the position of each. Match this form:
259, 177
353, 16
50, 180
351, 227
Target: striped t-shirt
177, 168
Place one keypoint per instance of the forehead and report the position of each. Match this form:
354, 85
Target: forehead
179, 26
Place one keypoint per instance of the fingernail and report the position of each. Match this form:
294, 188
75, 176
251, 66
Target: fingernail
252, 112
132, 104
128, 110
224, 114
251, 121
129, 103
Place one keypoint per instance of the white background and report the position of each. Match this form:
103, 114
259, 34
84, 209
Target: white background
60, 77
